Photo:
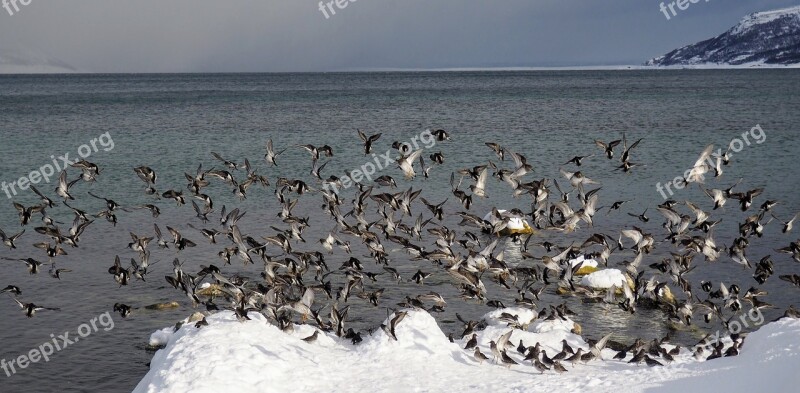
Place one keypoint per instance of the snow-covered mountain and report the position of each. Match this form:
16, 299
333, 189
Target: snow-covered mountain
770, 37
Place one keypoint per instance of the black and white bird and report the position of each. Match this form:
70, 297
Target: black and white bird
31, 309
64, 186
271, 155
8, 241
368, 141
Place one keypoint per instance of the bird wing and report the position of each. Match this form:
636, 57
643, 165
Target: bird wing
704, 156
481, 183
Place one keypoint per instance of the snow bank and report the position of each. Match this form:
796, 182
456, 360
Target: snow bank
255, 356
769, 362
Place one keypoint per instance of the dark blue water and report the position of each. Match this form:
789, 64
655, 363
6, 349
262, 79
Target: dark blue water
172, 123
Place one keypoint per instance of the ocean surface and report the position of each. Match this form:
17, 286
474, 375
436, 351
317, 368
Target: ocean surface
172, 123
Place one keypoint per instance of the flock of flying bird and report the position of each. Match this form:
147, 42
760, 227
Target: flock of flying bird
295, 273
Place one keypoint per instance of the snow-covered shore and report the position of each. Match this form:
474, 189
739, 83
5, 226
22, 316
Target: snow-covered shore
256, 356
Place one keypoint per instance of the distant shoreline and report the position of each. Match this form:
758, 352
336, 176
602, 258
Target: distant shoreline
452, 69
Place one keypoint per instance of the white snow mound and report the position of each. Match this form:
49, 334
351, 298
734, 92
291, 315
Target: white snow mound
255, 356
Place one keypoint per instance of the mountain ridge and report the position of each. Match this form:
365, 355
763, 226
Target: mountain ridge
768, 37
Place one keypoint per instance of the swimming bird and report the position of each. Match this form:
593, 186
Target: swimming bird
441, 135
437, 157
124, 310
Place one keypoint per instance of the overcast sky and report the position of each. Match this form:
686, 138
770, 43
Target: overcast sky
294, 35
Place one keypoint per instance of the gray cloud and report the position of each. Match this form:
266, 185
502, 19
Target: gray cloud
293, 35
